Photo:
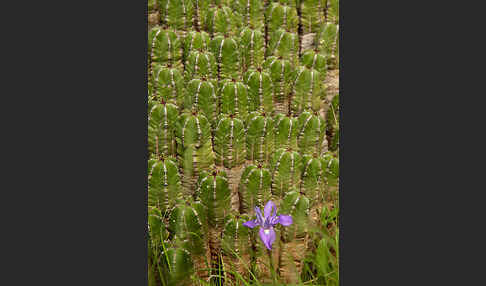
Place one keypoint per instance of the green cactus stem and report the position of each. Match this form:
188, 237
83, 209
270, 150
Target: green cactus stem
161, 123
308, 90
294, 237
196, 41
214, 195
167, 84
312, 130
229, 141
284, 44
254, 189
186, 230
313, 59
233, 98
259, 137
285, 167
220, 20
180, 267
225, 49
327, 42
250, 11
201, 65
282, 17
236, 247
194, 148
201, 97
177, 14
164, 186
312, 16
313, 183
252, 48
281, 72
286, 131
260, 91
164, 47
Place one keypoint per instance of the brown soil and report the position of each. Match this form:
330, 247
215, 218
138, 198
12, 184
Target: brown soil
332, 88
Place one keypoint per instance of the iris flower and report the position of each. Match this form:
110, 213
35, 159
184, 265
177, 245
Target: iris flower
267, 222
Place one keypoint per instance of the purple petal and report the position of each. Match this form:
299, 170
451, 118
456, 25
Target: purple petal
267, 235
251, 223
267, 211
259, 217
273, 220
285, 220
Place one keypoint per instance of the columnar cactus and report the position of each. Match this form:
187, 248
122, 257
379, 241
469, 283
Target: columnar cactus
229, 141
286, 171
286, 131
196, 41
312, 133
156, 229
333, 11
313, 59
214, 195
285, 44
327, 42
220, 20
294, 237
177, 14
259, 137
254, 188
260, 91
296, 205
312, 16
281, 72
194, 149
201, 65
164, 186
201, 9
164, 47
252, 48
180, 266
186, 229
233, 98
282, 17
308, 90
225, 49
330, 169
201, 97
236, 246
250, 11
313, 181
157, 236
161, 122
167, 84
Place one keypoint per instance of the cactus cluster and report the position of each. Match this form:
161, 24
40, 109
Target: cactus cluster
238, 115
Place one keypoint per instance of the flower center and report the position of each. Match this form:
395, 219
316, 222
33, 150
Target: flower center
266, 231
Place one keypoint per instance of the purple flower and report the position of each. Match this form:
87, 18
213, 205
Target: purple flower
267, 221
